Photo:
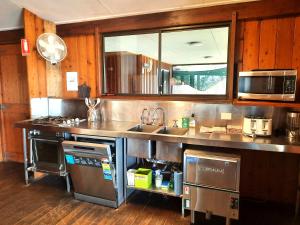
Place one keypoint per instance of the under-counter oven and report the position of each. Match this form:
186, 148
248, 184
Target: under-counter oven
96, 168
46, 152
211, 183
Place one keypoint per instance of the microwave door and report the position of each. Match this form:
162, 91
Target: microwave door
261, 87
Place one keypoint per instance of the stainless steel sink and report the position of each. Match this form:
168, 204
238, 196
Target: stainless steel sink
144, 128
173, 131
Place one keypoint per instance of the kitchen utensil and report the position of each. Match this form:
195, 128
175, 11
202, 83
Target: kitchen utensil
257, 126
93, 113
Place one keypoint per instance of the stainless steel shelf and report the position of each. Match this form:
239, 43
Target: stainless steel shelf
156, 190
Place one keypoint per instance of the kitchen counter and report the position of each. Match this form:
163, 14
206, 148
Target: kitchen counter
119, 129
107, 128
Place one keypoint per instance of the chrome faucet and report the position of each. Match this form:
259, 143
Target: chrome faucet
164, 123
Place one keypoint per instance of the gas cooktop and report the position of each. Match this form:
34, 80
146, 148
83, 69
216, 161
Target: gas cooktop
57, 121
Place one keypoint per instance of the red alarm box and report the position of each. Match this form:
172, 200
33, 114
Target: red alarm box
25, 47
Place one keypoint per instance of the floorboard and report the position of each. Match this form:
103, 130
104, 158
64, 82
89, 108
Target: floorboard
47, 202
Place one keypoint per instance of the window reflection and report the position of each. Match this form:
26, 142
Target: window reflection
131, 64
199, 79
199, 61
190, 62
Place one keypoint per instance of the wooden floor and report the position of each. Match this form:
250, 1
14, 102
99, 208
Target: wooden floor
46, 202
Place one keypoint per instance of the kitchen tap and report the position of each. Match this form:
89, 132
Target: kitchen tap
164, 115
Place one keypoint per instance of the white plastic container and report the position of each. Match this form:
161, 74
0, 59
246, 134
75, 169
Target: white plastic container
130, 177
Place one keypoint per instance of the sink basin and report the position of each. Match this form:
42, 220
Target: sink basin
173, 131
144, 128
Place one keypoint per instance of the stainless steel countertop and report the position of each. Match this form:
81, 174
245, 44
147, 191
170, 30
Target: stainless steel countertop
119, 129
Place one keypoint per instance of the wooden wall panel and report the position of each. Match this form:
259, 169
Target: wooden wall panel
44, 79
81, 58
92, 63
53, 72
251, 45
36, 67
267, 47
270, 44
239, 49
285, 42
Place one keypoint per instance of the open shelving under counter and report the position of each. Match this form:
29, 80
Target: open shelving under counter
156, 190
266, 103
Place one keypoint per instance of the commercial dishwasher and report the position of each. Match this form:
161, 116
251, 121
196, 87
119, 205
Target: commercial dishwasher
211, 184
96, 168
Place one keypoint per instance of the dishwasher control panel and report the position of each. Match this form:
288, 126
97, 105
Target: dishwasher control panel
85, 161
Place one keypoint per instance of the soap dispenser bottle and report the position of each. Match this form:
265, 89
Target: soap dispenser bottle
192, 120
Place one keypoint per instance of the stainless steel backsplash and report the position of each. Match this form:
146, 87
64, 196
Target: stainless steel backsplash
130, 110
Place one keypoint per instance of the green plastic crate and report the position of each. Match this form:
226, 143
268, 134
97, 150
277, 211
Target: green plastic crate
143, 178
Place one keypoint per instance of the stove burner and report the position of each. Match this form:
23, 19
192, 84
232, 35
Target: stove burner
56, 120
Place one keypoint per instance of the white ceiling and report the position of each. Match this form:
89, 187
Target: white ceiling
69, 11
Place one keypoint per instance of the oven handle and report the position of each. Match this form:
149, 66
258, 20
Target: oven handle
46, 140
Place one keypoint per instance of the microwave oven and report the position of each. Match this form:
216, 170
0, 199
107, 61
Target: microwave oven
273, 85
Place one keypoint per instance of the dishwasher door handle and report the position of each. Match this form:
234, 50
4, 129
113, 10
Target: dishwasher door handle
85, 152
85, 144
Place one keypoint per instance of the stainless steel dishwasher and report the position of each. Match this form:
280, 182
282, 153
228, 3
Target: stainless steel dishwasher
96, 168
211, 184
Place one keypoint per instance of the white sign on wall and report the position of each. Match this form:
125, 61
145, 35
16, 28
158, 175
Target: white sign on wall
72, 81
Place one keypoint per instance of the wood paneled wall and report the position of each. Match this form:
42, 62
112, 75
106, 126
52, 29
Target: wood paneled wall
81, 58
270, 43
36, 67
46, 80
42, 75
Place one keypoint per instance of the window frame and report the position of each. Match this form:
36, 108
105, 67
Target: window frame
179, 97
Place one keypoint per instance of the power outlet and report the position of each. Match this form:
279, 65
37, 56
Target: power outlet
225, 116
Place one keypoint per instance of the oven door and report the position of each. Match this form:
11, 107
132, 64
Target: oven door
47, 155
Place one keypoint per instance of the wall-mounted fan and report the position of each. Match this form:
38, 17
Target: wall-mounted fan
51, 47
